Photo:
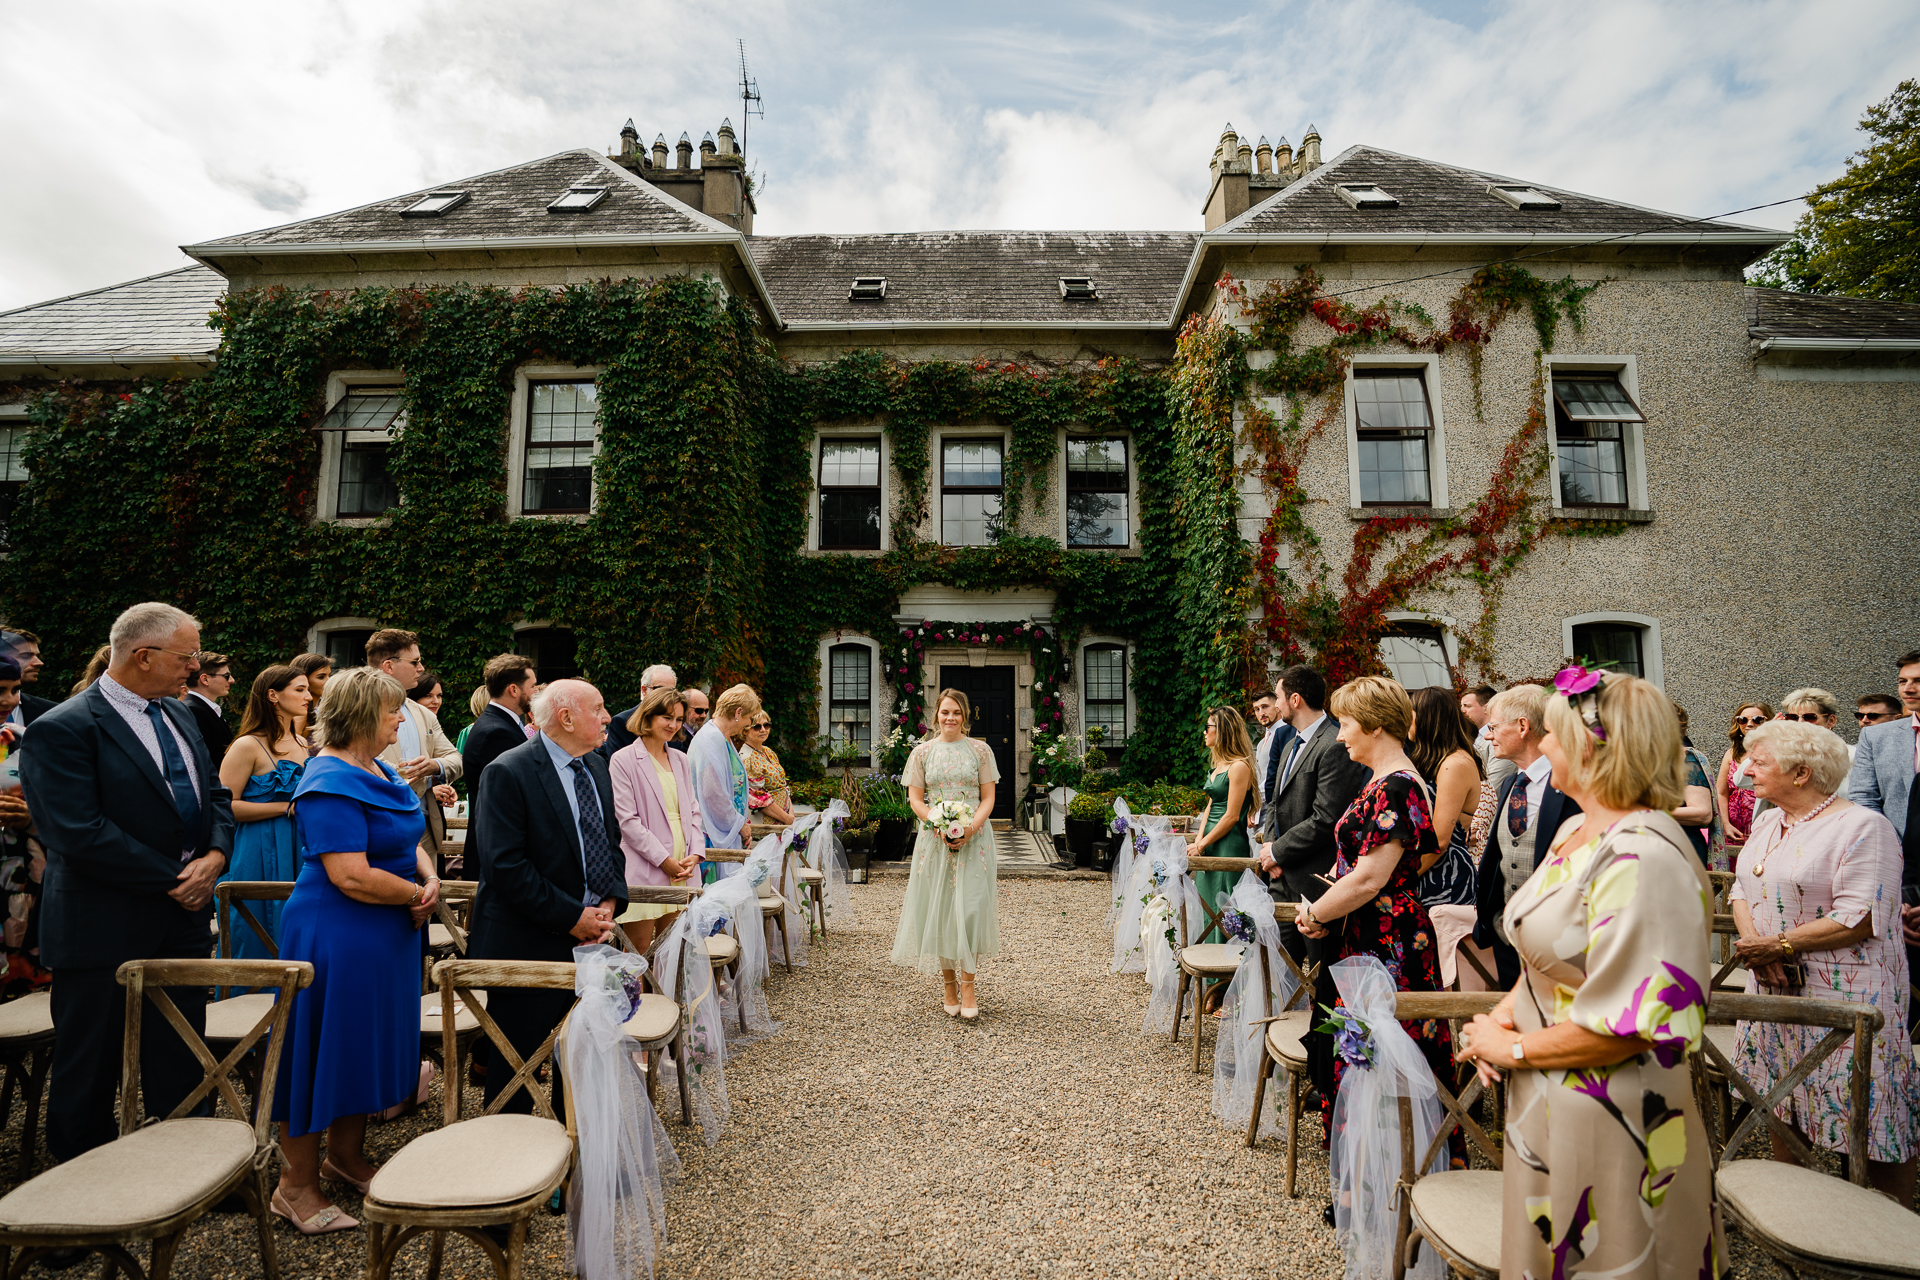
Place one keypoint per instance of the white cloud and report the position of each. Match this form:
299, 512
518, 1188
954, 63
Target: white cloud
129, 127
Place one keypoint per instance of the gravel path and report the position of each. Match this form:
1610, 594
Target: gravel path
876, 1137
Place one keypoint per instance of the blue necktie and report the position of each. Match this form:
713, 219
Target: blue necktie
1293, 758
605, 877
178, 779
1517, 808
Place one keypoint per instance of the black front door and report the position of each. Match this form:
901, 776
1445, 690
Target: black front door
990, 690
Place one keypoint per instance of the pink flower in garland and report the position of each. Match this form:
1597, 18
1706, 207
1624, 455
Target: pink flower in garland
923, 728
903, 717
1056, 715
999, 639
909, 688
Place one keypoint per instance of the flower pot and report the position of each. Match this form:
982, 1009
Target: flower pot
1105, 850
860, 839
1082, 835
894, 839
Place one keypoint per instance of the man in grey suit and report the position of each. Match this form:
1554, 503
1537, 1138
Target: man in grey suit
1314, 783
137, 829
1884, 767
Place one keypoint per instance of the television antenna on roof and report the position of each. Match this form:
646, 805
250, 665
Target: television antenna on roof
749, 95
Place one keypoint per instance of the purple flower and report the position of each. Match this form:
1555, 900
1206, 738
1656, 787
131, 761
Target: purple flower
1236, 923
1118, 826
1353, 1045
909, 688
1575, 680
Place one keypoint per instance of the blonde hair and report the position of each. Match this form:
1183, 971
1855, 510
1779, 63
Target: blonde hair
966, 707
1230, 739
1523, 702
1819, 699
354, 702
478, 702
1375, 702
739, 700
1640, 764
1795, 745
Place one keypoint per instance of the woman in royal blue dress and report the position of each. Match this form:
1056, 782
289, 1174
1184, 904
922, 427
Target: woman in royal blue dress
365, 889
261, 768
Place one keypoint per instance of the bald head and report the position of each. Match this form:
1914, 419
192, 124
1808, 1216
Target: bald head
573, 715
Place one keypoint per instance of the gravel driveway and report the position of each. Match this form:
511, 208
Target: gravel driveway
876, 1137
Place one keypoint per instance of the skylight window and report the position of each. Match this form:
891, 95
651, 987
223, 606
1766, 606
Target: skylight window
433, 204
578, 200
1525, 197
1078, 288
1364, 195
868, 289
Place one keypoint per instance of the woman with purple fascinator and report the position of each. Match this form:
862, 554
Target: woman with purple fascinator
1612, 933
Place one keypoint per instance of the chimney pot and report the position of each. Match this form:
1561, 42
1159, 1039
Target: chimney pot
1265, 153
1310, 150
1245, 157
683, 158
659, 150
629, 142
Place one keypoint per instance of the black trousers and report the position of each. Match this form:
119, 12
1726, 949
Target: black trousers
527, 1017
89, 1021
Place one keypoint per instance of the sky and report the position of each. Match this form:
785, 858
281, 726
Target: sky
131, 127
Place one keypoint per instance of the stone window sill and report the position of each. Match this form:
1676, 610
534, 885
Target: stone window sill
1605, 515
1400, 513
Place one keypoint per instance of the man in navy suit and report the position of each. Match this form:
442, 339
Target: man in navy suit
654, 678
1530, 813
502, 725
552, 875
1886, 765
137, 828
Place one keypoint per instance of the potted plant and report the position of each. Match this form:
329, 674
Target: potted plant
892, 814
1087, 820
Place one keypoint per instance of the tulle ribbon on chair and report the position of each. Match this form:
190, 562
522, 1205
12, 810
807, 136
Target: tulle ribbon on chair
682, 971
1170, 897
1237, 1049
616, 1212
787, 868
1383, 1065
1130, 894
825, 855
741, 896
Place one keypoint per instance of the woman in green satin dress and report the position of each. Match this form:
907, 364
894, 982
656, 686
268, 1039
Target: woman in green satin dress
1230, 787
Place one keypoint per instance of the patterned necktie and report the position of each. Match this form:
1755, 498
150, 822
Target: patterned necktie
175, 767
605, 876
1517, 808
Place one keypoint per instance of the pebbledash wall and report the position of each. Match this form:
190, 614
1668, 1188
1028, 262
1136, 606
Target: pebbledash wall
1765, 545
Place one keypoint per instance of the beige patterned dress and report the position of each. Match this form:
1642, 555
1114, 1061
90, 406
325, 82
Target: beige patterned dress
1607, 1168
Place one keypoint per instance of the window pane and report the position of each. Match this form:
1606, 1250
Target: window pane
972, 464
365, 487
559, 479
1595, 396
563, 412
1415, 656
1593, 465
1612, 644
849, 462
850, 519
1390, 399
849, 693
1103, 680
1096, 519
1393, 468
968, 519
346, 648
555, 652
12, 439
1093, 458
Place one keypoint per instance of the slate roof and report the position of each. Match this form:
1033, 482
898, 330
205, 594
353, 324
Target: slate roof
962, 277
507, 203
162, 315
1441, 199
1776, 313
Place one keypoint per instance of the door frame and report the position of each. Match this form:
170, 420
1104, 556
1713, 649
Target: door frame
1006, 797
954, 655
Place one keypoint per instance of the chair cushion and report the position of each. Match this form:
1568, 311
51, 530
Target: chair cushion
723, 948
496, 1159
146, 1177
438, 935
230, 1020
1818, 1216
1461, 1209
1284, 1034
772, 904
808, 875
30, 1015
1211, 957
463, 1019
656, 1019
1725, 1038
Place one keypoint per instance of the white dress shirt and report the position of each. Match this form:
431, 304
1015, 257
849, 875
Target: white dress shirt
1296, 750
1538, 774
133, 709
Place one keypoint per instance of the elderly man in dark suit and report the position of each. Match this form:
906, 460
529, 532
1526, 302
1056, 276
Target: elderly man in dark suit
552, 875
1529, 815
137, 828
1314, 781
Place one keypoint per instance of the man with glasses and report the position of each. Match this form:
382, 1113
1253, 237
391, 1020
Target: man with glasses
137, 829
1883, 780
697, 712
423, 754
1877, 708
206, 688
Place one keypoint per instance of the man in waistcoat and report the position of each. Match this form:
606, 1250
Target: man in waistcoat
1530, 813
1885, 765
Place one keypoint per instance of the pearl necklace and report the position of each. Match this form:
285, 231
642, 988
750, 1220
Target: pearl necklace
1786, 827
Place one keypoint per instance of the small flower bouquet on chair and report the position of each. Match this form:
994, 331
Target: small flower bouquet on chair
948, 819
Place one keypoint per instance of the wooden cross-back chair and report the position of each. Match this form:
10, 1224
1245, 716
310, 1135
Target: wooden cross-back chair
155, 1180
1454, 1211
449, 925
1283, 1045
26, 1051
772, 906
494, 1168
1809, 1222
1208, 966
230, 1019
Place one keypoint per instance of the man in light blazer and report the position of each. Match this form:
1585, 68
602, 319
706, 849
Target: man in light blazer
1884, 765
1314, 782
422, 754
137, 829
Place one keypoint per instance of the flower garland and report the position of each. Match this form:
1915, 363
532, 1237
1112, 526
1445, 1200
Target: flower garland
1046, 652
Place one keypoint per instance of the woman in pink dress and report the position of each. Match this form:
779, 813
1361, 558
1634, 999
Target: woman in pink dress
1733, 786
659, 814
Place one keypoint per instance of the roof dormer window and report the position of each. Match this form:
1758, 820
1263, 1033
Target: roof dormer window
1078, 289
1524, 197
578, 200
1364, 195
433, 204
868, 289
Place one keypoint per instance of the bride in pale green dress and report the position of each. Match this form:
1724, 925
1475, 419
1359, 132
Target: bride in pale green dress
948, 922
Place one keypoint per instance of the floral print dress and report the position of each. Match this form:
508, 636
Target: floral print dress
1394, 926
1607, 1171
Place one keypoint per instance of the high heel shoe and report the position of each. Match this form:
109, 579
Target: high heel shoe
951, 1000
969, 1004
330, 1170
327, 1220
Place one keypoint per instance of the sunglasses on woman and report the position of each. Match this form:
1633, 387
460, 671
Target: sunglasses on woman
1749, 720
1810, 717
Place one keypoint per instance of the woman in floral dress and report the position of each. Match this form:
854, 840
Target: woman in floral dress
1373, 907
1607, 1170
948, 923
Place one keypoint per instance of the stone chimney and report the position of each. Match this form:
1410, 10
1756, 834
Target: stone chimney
684, 152
1229, 196
708, 150
630, 144
659, 150
719, 187
729, 146
1243, 175
1283, 158
1310, 150
1265, 152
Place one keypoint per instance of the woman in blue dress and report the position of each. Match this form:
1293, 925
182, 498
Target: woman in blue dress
365, 889
261, 768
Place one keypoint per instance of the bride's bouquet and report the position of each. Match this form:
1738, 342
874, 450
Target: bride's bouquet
948, 819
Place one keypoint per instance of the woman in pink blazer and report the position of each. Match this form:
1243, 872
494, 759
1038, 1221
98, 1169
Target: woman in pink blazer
659, 814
